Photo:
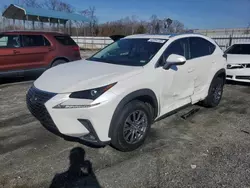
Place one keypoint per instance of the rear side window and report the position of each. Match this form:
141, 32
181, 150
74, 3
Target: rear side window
200, 47
10, 41
243, 49
34, 40
65, 40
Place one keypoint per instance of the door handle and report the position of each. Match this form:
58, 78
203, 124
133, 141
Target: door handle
16, 52
190, 70
51, 49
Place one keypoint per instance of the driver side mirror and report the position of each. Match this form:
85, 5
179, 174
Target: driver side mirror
174, 59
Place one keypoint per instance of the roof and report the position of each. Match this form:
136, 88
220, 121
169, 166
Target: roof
164, 36
38, 14
149, 36
33, 32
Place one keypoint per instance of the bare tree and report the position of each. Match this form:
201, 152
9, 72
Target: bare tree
153, 23
248, 29
90, 13
51, 4
31, 3
141, 29
176, 27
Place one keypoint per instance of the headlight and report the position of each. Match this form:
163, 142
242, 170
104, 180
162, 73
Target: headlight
91, 94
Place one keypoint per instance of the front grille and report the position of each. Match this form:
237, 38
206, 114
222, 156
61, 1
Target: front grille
36, 100
238, 66
243, 77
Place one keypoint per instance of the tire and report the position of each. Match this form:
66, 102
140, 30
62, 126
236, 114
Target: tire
58, 62
130, 133
215, 93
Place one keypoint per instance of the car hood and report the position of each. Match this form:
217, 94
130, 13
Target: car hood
238, 59
82, 75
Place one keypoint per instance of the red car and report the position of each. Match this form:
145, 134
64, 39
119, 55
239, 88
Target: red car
25, 51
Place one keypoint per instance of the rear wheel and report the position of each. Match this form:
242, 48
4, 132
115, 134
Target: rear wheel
132, 126
58, 62
215, 93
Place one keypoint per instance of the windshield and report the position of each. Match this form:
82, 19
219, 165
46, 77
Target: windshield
243, 49
131, 52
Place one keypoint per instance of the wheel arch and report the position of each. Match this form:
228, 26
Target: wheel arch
220, 73
144, 95
59, 58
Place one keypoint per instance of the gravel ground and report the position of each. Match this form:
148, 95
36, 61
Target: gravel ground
209, 149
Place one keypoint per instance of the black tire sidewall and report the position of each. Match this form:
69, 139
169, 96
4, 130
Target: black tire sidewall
58, 62
117, 139
210, 100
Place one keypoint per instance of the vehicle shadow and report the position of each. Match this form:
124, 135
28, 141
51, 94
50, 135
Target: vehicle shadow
79, 174
10, 80
230, 82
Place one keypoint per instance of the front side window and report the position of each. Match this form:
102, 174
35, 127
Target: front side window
33, 40
131, 52
243, 49
200, 47
10, 41
178, 47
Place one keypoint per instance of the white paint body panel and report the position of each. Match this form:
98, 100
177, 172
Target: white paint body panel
173, 88
233, 60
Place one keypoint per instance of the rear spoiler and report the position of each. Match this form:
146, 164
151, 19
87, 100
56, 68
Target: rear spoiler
116, 37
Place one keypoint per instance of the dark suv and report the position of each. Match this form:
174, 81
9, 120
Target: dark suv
25, 51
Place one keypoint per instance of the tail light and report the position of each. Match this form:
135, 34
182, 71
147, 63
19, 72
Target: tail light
76, 48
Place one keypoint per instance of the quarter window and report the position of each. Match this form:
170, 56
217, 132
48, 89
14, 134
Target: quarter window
65, 40
200, 47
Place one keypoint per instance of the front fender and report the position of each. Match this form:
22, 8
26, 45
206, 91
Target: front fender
132, 96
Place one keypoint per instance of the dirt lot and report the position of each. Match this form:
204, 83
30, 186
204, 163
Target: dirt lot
209, 149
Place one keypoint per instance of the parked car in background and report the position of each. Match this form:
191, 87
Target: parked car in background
238, 62
114, 96
25, 51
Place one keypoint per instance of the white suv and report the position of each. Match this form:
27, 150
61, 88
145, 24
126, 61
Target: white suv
114, 96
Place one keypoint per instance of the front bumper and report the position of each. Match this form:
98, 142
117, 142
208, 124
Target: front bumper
89, 126
241, 75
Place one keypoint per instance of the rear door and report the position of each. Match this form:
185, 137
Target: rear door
10, 46
34, 50
178, 81
200, 56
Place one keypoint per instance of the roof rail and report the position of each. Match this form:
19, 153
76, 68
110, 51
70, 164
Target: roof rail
34, 31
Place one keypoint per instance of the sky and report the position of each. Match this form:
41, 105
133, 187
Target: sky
194, 14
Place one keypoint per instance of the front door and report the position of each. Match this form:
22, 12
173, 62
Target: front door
177, 83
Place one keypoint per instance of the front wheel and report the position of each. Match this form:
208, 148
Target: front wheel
215, 93
132, 126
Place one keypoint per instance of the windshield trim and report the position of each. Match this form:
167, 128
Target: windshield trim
123, 64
